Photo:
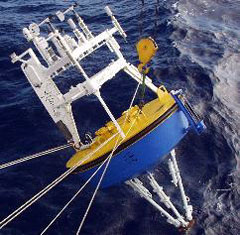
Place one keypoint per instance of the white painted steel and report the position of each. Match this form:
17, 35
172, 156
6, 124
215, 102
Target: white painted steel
165, 199
172, 172
180, 221
138, 186
185, 199
68, 52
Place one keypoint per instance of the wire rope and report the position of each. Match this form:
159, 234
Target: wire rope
107, 164
34, 156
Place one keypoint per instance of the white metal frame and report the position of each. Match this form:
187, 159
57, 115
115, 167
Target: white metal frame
180, 220
68, 52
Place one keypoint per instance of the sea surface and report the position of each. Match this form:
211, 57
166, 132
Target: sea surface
199, 43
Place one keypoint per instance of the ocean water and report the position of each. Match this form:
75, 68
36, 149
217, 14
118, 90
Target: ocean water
198, 52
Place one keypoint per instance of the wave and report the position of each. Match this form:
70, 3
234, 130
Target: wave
207, 32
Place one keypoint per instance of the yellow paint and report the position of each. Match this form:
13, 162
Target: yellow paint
146, 49
139, 119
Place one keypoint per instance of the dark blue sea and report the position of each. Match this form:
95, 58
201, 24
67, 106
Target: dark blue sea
199, 43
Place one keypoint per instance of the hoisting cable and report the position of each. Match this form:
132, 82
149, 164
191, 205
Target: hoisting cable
140, 25
156, 19
146, 49
75, 195
142, 95
78, 192
37, 196
108, 162
33, 156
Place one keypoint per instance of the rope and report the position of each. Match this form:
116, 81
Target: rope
77, 193
33, 156
22, 208
96, 190
36, 197
107, 164
140, 22
100, 181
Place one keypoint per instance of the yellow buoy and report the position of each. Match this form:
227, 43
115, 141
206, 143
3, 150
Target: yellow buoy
146, 49
135, 123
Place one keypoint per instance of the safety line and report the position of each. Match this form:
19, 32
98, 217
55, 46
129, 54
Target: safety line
108, 162
37, 196
22, 208
33, 156
75, 195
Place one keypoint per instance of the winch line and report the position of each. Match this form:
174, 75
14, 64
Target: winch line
37, 196
108, 162
75, 195
100, 180
34, 156
96, 189
110, 155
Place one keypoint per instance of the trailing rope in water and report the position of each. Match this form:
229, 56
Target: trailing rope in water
22, 208
75, 195
33, 156
106, 160
37, 196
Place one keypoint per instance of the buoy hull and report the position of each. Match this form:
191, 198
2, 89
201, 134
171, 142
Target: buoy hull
145, 153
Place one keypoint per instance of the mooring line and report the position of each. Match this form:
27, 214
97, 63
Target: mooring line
109, 160
22, 208
36, 197
34, 156
75, 195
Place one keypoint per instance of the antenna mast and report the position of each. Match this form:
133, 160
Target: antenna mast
67, 52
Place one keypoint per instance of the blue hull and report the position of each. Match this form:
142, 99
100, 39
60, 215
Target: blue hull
145, 153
